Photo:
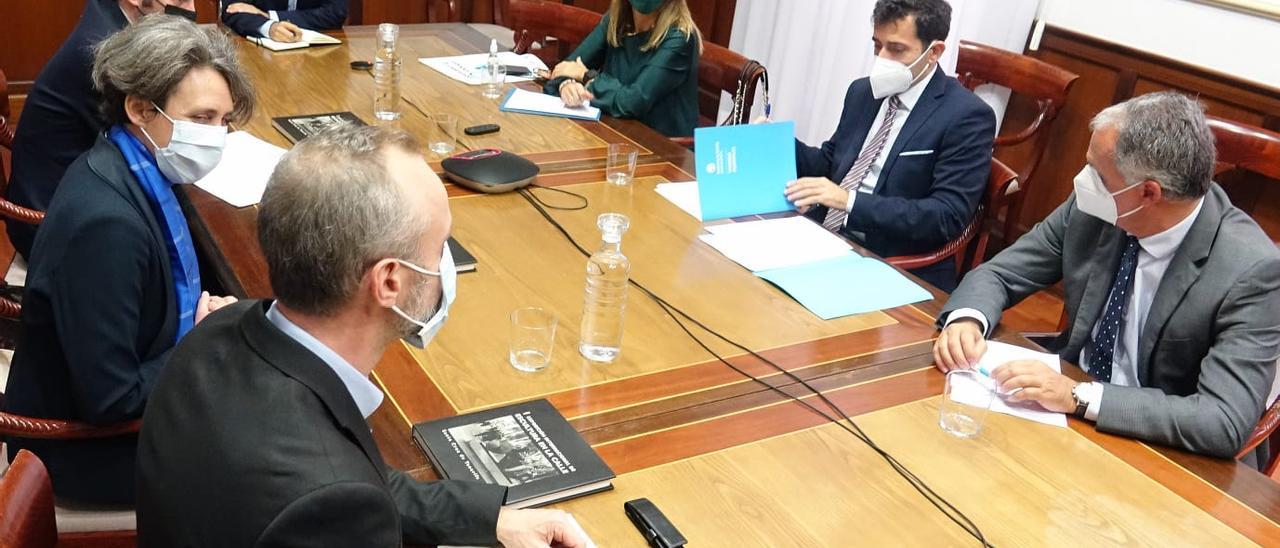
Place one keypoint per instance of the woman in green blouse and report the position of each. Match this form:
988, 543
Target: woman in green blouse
640, 62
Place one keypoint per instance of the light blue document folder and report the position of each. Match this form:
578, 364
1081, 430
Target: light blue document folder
744, 170
846, 285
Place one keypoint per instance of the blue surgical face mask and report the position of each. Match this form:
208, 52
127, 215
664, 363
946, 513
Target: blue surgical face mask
646, 6
428, 328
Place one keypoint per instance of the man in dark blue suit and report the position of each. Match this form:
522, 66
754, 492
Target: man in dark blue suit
282, 20
908, 164
60, 117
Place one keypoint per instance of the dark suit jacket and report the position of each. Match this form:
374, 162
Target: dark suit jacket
59, 119
922, 201
1207, 354
310, 14
251, 440
99, 319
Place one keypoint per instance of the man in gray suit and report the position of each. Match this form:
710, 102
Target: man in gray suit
1173, 293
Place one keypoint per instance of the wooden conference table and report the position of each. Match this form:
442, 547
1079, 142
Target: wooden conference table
730, 462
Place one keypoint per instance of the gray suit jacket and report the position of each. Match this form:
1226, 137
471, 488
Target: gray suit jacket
1207, 354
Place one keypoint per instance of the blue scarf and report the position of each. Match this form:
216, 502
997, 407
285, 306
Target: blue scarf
182, 252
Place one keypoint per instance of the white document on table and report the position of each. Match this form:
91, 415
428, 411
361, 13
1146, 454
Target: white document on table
775, 243
999, 353
532, 102
309, 38
683, 195
241, 176
470, 69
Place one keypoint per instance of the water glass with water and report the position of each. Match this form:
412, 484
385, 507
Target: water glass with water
533, 336
444, 133
495, 77
965, 403
621, 163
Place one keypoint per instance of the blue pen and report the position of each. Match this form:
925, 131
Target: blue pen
983, 369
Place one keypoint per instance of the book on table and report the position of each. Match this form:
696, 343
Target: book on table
309, 38
463, 260
528, 447
301, 126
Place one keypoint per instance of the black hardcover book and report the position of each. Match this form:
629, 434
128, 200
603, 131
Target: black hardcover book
528, 447
463, 260
297, 128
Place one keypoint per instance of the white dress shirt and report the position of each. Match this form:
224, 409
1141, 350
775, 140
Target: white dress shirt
909, 99
366, 394
1155, 252
273, 17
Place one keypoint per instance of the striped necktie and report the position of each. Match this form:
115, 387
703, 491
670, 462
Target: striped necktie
856, 174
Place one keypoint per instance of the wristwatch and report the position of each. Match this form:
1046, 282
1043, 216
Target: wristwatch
589, 76
1082, 404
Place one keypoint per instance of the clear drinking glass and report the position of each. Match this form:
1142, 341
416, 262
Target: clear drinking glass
495, 78
444, 133
965, 403
533, 336
621, 166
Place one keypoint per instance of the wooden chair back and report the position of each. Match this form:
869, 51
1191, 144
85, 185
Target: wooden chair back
1245, 147
722, 70
26, 505
535, 21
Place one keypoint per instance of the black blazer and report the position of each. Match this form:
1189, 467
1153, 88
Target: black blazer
59, 119
99, 318
310, 14
252, 440
921, 201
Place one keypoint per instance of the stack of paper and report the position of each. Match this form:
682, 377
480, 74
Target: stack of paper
775, 243
850, 284
532, 102
241, 176
309, 38
469, 69
683, 195
998, 354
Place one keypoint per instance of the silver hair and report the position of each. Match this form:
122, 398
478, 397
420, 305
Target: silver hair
148, 59
1163, 137
330, 211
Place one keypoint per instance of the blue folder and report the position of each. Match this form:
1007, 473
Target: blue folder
846, 285
744, 170
559, 114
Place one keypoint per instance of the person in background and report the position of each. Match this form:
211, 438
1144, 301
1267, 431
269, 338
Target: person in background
1173, 294
113, 282
640, 62
283, 20
60, 116
257, 432
908, 164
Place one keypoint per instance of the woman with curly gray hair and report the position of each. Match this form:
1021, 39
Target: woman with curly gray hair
113, 280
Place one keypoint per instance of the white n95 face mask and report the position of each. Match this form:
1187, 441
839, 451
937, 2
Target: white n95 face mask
427, 329
1092, 196
889, 77
193, 151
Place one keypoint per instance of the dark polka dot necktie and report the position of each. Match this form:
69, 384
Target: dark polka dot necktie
1104, 343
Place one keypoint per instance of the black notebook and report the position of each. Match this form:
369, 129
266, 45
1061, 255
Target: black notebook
528, 447
297, 128
463, 260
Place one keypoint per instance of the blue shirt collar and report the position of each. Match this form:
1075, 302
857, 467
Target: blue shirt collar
366, 394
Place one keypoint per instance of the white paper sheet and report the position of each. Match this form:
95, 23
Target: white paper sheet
309, 38
999, 353
532, 102
683, 195
775, 243
241, 176
469, 69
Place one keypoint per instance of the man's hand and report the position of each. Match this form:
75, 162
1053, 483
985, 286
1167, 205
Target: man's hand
285, 31
209, 303
1038, 383
538, 529
959, 346
241, 7
574, 94
807, 192
573, 69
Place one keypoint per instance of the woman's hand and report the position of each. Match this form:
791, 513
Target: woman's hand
574, 94
572, 69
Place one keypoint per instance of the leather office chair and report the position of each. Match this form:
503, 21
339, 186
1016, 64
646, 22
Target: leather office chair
722, 70
1046, 84
26, 505
10, 307
538, 21
970, 246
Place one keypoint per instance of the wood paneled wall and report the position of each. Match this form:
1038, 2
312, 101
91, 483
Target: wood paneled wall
1111, 73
